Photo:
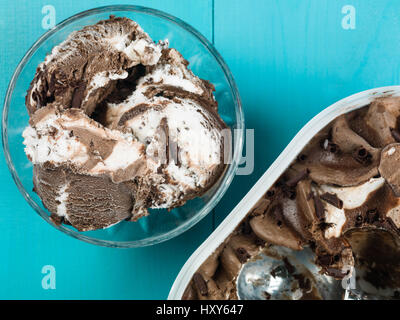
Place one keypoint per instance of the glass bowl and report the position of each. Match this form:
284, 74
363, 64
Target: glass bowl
205, 62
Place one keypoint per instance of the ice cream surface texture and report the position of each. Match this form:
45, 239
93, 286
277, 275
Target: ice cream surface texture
119, 124
340, 198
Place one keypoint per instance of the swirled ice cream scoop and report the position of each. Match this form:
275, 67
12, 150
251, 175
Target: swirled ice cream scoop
80, 71
113, 111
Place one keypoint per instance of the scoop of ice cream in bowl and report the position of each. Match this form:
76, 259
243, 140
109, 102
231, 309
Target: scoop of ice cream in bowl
118, 126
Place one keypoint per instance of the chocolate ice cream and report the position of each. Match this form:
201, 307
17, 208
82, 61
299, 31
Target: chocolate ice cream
118, 125
340, 198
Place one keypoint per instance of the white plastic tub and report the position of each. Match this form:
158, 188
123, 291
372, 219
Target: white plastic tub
288, 155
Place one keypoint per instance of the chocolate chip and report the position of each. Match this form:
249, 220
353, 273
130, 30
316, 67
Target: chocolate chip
77, 96
372, 216
53, 131
325, 225
130, 114
319, 207
175, 155
259, 242
163, 129
289, 266
332, 199
200, 284
297, 178
34, 97
279, 183
270, 193
242, 254
333, 148
246, 228
52, 83
325, 260
362, 156
362, 153
395, 134
301, 157
132, 36
289, 192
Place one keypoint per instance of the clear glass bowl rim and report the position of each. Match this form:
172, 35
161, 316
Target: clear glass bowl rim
238, 141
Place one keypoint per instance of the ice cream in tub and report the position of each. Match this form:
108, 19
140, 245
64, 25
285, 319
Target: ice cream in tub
322, 222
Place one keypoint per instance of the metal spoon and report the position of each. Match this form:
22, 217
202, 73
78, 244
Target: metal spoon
286, 274
281, 274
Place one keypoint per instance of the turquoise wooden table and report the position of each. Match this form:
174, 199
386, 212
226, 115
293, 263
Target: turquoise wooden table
290, 58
